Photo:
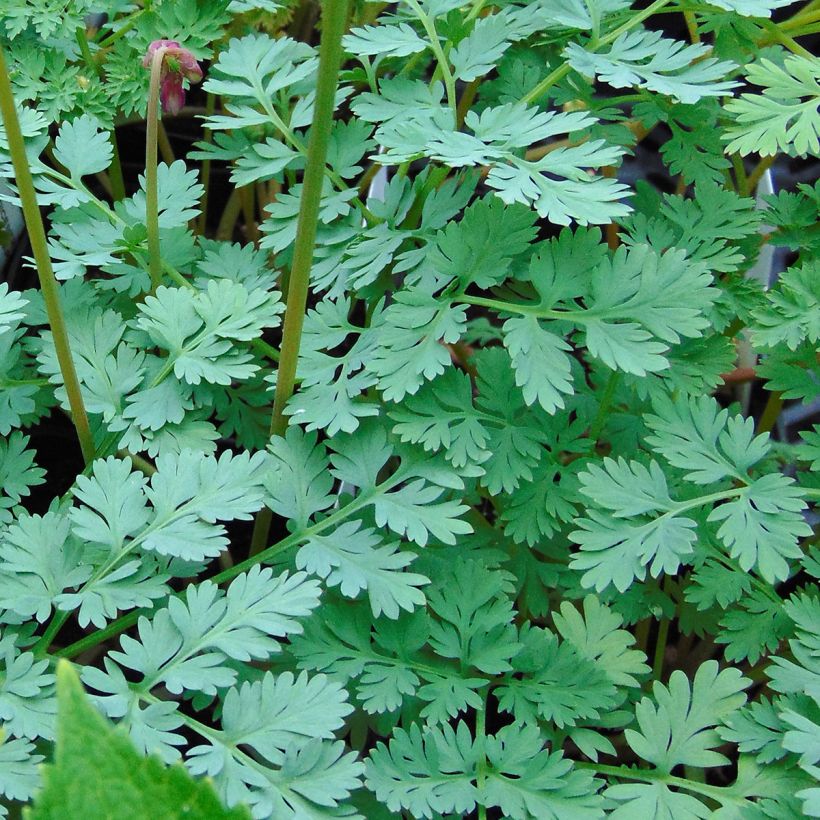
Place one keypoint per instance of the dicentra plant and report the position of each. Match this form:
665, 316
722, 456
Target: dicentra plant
518, 550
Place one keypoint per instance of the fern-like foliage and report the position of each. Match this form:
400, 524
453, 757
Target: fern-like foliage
529, 544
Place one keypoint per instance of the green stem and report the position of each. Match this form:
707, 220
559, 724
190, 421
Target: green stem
88, 57
205, 174
778, 36
334, 20
653, 776
230, 213
123, 29
800, 21
758, 171
559, 73
660, 648
443, 62
39, 246
151, 193
481, 764
478, 7
606, 403
740, 175
692, 26
770, 413
115, 170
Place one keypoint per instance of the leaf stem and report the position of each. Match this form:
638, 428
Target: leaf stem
561, 71
151, 193
721, 794
129, 23
115, 169
606, 403
205, 171
757, 172
39, 246
443, 62
660, 648
770, 413
334, 20
481, 763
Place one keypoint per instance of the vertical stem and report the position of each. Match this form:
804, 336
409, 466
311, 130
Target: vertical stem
740, 175
466, 101
481, 769
164, 144
205, 177
247, 194
151, 194
606, 402
758, 171
48, 284
115, 170
334, 20
230, 213
660, 648
770, 413
692, 26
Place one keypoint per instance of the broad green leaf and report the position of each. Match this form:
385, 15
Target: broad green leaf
97, 772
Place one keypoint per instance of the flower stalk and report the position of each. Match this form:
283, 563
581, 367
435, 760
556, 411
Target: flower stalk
170, 64
334, 20
45, 273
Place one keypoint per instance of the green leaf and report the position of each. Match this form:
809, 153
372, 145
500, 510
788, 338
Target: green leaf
409, 336
82, 147
645, 59
38, 560
12, 306
384, 41
97, 771
678, 727
441, 417
198, 329
19, 769
642, 530
554, 683
27, 705
521, 779
481, 49
185, 645
783, 117
18, 473
357, 559
540, 361
761, 527
695, 435
792, 313
596, 635
298, 481
480, 248
474, 619
640, 303
179, 193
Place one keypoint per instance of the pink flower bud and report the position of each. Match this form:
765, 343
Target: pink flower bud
177, 64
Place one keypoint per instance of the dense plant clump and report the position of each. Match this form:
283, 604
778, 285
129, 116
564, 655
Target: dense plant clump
520, 548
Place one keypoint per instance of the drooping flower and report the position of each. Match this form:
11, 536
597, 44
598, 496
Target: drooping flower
178, 64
